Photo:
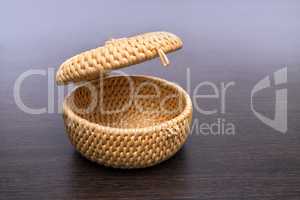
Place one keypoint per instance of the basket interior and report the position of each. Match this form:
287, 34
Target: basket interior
127, 101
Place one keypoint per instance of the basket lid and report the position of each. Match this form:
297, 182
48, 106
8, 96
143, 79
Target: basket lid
117, 53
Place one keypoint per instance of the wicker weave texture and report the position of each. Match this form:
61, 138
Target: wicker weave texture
152, 127
116, 54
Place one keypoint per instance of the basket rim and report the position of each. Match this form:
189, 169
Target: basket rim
186, 112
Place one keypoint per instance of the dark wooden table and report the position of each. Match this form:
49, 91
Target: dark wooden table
223, 42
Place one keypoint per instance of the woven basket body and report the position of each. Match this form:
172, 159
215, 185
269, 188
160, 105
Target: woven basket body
128, 122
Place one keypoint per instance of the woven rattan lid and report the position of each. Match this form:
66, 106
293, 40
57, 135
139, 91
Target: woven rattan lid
117, 53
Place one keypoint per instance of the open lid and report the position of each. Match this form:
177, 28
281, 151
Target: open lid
117, 53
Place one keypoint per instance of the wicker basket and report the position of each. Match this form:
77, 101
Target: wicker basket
125, 121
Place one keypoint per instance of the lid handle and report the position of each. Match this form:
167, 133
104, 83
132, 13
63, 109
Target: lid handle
163, 57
